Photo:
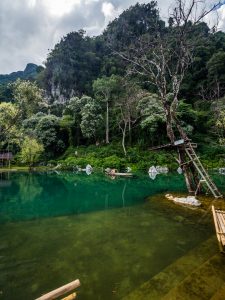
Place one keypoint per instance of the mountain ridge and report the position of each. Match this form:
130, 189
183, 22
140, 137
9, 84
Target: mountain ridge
30, 72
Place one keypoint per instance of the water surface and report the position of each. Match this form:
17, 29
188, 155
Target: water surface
59, 227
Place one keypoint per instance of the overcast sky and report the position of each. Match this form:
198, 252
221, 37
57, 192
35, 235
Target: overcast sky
29, 28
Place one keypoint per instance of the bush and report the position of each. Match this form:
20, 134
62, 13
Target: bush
111, 156
114, 161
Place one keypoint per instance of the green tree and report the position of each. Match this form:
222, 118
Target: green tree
104, 89
67, 122
134, 22
5, 93
151, 111
216, 66
9, 117
220, 125
27, 96
31, 150
73, 109
46, 129
91, 119
126, 108
48, 132
216, 74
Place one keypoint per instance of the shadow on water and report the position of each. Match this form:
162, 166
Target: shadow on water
59, 227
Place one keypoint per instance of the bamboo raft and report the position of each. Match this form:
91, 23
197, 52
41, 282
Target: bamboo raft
219, 222
114, 172
120, 174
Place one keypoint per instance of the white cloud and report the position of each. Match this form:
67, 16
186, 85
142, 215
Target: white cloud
108, 9
110, 12
221, 13
59, 7
31, 3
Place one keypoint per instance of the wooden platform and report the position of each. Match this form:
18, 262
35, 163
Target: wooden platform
219, 221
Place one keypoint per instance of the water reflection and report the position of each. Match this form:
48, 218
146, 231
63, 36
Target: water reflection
179, 170
4, 180
88, 172
154, 171
128, 245
153, 175
26, 196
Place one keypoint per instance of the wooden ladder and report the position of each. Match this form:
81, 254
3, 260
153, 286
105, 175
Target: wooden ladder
204, 176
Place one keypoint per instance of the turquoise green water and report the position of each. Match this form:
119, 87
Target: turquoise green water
59, 227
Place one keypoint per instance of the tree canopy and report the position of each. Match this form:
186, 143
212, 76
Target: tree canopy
121, 86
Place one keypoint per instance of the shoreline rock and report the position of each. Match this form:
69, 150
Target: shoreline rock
189, 200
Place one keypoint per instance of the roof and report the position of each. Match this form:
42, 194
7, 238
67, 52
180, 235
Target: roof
6, 155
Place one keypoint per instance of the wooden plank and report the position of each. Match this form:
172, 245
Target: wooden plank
61, 291
223, 215
221, 224
217, 228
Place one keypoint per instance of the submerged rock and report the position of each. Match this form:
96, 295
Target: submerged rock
179, 218
189, 200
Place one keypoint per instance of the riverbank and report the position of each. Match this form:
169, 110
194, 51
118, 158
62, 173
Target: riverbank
24, 169
112, 156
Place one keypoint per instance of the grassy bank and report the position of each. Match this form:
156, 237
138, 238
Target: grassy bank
137, 158
16, 168
101, 157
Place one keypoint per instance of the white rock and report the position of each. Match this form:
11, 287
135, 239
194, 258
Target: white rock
189, 200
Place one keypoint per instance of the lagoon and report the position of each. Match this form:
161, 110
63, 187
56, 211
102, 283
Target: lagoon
113, 235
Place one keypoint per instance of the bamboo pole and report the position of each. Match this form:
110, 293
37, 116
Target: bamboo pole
217, 229
61, 291
70, 297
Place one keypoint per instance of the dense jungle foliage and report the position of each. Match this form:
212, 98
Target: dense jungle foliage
86, 107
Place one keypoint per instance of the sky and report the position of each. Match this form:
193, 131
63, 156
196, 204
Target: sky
29, 29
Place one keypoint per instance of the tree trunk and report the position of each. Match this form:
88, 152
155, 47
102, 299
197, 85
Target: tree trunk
78, 135
189, 173
186, 170
124, 137
130, 133
70, 133
107, 123
169, 123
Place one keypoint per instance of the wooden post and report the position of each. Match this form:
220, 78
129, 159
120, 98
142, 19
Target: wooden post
61, 291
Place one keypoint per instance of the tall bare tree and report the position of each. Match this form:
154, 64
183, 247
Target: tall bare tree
163, 57
126, 105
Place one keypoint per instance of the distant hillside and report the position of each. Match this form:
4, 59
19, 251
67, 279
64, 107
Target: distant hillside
30, 72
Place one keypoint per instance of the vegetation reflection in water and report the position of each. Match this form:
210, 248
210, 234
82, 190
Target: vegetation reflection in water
56, 228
